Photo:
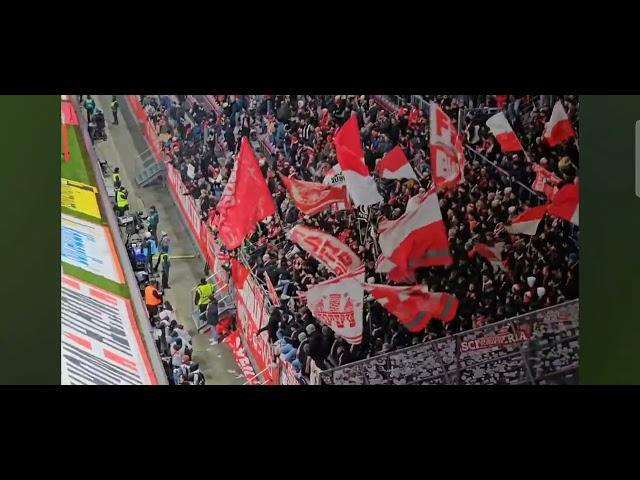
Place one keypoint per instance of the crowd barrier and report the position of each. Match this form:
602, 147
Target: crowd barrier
252, 304
537, 348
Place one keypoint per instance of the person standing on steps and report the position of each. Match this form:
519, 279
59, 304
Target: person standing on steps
204, 292
166, 265
153, 220
114, 109
117, 182
90, 106
122, 204
152, 298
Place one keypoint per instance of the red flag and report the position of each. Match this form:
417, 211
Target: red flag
273, 295
493, 254
325, 248
447, 152
566, 203
395, 165
527, 222
559, 127
361, 187
414, 306
311, 198
500, 128
245, 201
417, 239
239, 274
545, 181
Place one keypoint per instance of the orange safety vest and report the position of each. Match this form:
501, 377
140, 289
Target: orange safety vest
149, 298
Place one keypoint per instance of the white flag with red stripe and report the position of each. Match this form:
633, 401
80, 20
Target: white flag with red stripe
447, 152
360, 185
493, 254
416, 239
414, 306
394, 165
500, 128
566, 203
338, 304
527, 222
559, 127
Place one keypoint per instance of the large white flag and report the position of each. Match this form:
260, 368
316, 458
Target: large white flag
338, 304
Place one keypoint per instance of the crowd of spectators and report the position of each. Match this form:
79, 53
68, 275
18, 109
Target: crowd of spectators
542, 270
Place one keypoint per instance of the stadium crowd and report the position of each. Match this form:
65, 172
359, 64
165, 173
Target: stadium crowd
297, 131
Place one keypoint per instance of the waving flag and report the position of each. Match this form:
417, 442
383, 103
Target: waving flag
527, 222
273, 295
395, 165
325, 248
311, 198
545, 181
566, 203
414, 306
338, 304
447, 152
559, 127
245, 201
361, 187
416, 239
500, 128
493, 254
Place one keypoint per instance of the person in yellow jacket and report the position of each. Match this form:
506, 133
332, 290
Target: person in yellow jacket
204, 291
122, 202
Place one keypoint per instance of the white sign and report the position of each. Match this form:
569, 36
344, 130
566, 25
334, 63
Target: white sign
89, 246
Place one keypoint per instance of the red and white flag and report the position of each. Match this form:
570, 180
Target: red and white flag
312, 198
325, 248
447, 151
500, 128
360, 185
68, 114
566, 203
416, 239
493, 254
395, 165
558, 128
338, 304
414, 306
545, 181
245, 201
273, 295
527, 222
335, 178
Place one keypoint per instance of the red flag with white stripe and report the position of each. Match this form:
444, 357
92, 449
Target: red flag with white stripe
416, 239
500, 128
566, 203
394, 165
360, 185
414, 306
493, 254
312, 198
559, 127
273, 295
447, 152
545, 181
527, 222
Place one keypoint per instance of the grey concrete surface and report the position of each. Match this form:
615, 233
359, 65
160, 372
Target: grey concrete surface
127, 149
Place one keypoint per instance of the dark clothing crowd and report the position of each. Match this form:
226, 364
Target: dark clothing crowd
297, 133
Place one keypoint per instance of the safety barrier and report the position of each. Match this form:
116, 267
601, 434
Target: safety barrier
540, 347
